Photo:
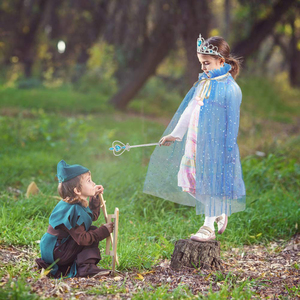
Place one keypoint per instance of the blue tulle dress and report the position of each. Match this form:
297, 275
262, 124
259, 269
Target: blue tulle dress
219, 186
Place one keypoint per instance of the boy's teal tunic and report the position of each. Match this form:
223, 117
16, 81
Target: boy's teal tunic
69, 215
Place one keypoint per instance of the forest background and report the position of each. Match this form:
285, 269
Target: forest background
76, 75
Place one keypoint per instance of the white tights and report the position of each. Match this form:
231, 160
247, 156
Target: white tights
209, 221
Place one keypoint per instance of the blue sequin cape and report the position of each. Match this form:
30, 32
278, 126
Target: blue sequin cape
69, 215
219, 181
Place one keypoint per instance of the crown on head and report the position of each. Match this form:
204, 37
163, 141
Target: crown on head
206, 48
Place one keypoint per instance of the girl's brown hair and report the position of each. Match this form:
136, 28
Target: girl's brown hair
224, 50
66, 190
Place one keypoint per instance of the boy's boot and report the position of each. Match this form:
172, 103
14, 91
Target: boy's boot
87, 261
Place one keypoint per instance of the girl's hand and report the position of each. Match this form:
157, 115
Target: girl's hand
110, 226
167, 140
199, 100
99, 189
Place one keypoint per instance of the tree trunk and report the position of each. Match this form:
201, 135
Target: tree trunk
294, 58
147, 68
153, 51
191, 254
127, 28
191, 26
261, 29
227, 18
25, 48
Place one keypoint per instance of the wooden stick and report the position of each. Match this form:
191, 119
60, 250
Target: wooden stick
115, 243
110, 239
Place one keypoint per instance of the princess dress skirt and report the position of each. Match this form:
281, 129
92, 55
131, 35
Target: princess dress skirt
219, 186
187, 171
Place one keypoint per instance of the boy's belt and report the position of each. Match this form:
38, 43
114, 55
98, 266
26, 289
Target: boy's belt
57, 232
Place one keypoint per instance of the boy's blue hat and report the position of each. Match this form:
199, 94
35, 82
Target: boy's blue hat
66, 172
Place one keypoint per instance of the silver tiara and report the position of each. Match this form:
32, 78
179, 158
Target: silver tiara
205, 48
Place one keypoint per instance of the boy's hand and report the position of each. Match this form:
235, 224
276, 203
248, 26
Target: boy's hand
110, 226
99, 189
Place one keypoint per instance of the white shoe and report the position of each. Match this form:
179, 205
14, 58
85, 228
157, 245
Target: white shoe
204, 234
222, 223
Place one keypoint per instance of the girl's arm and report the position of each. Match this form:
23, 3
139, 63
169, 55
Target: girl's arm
233, 102
183, 123
180, 129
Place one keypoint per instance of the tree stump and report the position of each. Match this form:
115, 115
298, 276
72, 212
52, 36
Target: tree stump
204, 255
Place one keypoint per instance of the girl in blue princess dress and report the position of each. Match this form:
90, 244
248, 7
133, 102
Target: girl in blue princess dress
201, 167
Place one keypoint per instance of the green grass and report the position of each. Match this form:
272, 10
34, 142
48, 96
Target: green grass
262, 98
31, 156
17, 290
231, 288
181, 292
54, 100
34, 140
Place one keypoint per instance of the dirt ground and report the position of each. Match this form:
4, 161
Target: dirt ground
274, 271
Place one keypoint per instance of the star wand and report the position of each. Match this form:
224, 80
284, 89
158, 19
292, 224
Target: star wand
118, 148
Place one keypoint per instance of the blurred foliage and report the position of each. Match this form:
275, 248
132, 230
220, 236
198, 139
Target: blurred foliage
102, 49
101, 68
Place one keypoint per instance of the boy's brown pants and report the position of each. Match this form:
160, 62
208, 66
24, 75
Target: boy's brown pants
86, 258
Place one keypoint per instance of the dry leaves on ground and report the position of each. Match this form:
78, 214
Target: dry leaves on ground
272, 270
